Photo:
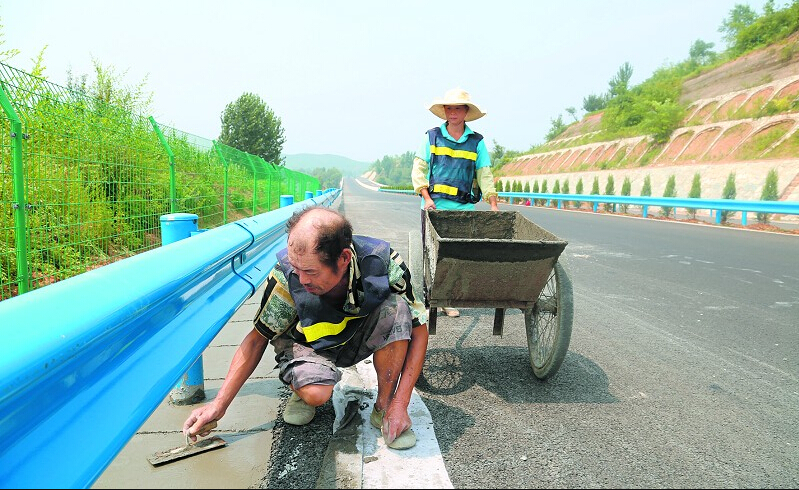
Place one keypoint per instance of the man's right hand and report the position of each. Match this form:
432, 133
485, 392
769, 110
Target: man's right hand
199, 418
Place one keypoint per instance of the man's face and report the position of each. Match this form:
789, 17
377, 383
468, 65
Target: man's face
316, 277
456, 114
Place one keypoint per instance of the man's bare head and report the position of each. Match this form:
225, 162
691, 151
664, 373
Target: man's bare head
319, 230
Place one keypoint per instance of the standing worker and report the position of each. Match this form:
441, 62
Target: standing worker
331, 301
452, 169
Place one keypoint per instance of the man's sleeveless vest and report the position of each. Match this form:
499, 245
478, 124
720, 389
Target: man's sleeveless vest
453, 167
325, 326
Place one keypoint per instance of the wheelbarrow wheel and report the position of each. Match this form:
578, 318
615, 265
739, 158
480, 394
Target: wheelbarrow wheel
549, 324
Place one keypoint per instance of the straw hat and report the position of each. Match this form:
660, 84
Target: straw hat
456, 96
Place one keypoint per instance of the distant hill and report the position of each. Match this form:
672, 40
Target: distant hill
306, 162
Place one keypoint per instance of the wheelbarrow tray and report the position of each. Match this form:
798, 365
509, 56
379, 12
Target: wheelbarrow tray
478, 259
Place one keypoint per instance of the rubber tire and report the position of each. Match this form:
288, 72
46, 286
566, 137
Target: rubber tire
549, 324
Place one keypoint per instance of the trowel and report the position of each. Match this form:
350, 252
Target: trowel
190, 448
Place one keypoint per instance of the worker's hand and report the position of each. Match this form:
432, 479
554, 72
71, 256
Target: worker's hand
395, 422
429, 204
201, 421
494, 207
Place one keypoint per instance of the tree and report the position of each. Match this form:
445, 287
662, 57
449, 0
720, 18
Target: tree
769, 193
556, 128
594, 103
701, 53
626, 186
249, 125
527, 186
620, 83
729, 192
669, 191
572, 112
739, 18
565, 190
610, 190
595, 186
579, 190
694, 193
499, 186
646, 189
328, 177
498, 152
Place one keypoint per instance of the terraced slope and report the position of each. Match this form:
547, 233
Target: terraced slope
720, 136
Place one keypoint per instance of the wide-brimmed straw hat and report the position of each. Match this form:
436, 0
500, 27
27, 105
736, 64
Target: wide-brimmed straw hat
456, 96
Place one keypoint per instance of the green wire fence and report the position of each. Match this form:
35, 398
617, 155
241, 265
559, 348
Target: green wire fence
84, 183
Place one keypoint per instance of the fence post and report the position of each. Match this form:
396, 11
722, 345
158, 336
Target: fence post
191, 387
308, 195
225, 179
173, 199
19, 205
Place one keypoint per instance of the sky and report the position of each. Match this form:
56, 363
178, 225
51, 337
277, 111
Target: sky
356, 78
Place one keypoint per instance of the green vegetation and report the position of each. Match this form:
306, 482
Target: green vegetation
769, 193
249, 125
646, 189
626, 186
595, 187
728, 193
669, 191
610, 191
652, 108
695, 193
394, 170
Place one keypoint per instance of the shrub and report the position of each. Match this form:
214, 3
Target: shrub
610, 190
728, 193
565, 190
579, 189
769, 193
625, 191
695, 193
669, 191
595, 186
646, 189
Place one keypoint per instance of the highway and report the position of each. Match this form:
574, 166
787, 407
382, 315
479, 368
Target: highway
682, 371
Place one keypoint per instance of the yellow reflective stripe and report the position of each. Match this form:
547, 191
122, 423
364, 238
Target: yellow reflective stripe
445, 189
324, 329
443, 150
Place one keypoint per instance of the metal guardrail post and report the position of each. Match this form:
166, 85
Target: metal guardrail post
286, 200
190, 388
308, 195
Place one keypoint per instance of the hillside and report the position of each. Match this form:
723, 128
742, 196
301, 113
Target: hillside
306, 162
723, 132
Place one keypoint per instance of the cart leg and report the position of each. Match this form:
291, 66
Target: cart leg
431, 322
499, 320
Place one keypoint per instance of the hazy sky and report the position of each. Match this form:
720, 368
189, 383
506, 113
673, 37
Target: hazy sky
354, 78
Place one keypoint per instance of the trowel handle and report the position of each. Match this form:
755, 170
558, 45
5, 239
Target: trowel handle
205, 428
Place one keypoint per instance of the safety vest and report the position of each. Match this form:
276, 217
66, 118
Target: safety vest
453, 170
322, 325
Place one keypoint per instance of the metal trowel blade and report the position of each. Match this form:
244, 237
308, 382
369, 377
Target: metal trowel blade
163, 457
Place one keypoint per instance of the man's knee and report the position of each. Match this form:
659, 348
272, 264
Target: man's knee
315, 395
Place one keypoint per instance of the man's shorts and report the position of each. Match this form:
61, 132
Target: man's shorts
300, 365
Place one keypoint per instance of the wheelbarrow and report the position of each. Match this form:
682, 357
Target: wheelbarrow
500, 260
